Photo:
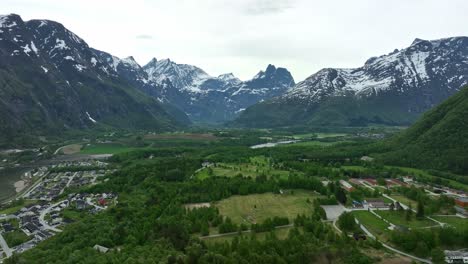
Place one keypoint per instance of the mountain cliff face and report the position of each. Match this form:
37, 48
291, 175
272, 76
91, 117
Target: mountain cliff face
51, 80
392, 89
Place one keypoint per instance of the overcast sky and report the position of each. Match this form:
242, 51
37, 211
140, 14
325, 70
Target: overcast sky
244, 36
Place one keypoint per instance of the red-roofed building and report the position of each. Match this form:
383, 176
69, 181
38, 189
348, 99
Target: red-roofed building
346, 185
394, 182
462, 202
102, 202
370, 181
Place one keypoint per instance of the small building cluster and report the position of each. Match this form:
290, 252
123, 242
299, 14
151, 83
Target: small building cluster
54, 184
457, 256
461, 205
45, 218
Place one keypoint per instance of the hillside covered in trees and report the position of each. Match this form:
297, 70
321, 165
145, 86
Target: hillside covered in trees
438, 140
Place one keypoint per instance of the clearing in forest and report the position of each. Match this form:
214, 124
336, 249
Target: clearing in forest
255, 208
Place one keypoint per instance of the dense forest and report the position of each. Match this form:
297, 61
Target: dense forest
150, 223
438, 140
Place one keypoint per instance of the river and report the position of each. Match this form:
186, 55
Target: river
273, 144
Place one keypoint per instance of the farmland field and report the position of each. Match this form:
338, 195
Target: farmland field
106, 148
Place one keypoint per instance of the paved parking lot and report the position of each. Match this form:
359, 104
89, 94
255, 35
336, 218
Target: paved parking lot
333, 211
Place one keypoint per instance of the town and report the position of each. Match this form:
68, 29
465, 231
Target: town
50, 203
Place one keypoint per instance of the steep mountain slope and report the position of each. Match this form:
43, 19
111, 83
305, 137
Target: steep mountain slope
391, 89
438, 140
51, 80
213, 99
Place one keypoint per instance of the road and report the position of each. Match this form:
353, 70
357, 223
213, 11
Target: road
369, 234
43, 214
34, 186
68, 183
5, 247
88, 201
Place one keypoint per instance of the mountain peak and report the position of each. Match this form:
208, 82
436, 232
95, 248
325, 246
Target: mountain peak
416, 41
131, 61
229, 77
270, 69
152, 62
10, 20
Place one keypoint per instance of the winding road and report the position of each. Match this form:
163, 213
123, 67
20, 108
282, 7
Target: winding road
369, 234
43, 214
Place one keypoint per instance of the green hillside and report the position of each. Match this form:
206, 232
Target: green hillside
438, 140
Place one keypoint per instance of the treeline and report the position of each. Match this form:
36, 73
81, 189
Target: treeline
442, 204
422, 241
150, 223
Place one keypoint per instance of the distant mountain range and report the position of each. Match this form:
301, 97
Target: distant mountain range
51, 81
202, 97
393, 89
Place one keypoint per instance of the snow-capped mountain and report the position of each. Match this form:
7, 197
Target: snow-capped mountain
215, 99
182, 76
202, 97
51, 79
393, 89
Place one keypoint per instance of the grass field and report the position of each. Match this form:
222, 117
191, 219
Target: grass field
190, 136
398, 218
15, 238
375, 225
71, 149
456, 222
106, 148
258, 165
404, 200
256, 208
72, 214
16, 208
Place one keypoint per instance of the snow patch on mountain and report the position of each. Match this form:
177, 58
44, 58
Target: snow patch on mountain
399, 70
6, 23
130, 61
90, 118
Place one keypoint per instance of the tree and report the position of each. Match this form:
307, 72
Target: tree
420, 210
438, 256
381, 181
340, 195
320, 212
346, 222
408, 214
